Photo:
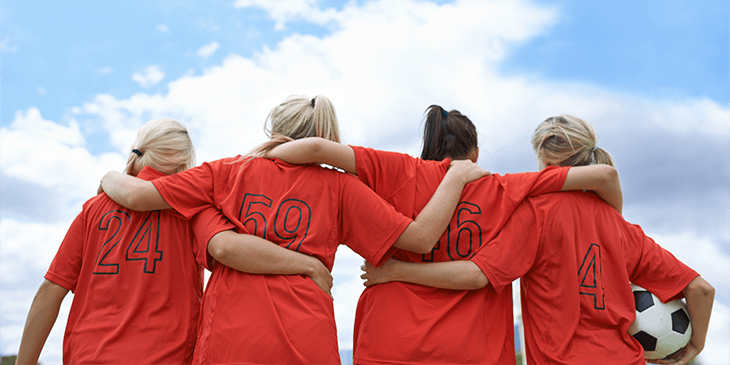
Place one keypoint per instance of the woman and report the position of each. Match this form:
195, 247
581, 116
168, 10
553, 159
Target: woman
106, 260
286, 319
569, 318
404, 323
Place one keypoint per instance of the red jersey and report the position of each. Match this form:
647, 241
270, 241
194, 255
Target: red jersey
137, 283
576, 256
264, 319
412, 324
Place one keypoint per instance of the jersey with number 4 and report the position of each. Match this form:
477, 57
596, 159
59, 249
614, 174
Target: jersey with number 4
137, 283
400, 323
265, 319
576, 256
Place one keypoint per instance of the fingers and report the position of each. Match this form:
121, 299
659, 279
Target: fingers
469, 170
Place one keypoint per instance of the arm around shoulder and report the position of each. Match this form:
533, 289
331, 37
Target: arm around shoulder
132, 192
423, 233
316, 150
603, 179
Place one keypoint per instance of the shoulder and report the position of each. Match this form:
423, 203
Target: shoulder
564, 198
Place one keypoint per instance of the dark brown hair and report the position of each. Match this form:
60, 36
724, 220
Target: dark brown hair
447, 134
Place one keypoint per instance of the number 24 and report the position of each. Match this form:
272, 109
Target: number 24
140, 248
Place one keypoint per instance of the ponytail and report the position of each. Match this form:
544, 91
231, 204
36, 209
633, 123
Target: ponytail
447, 135
163, 144
298, 117
568, 141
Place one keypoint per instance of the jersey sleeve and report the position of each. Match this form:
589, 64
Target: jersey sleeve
528, 184
383, 171
206, 224
189, 191
655, 268
369, 225
66, 265
512, 252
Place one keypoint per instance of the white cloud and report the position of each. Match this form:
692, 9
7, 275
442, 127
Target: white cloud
163, 28
289, 10
52, 160
21, 273
42, 91
149, 77
208, 49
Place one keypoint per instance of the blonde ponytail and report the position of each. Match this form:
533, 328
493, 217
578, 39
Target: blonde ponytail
568, 141
163, 144
298, 117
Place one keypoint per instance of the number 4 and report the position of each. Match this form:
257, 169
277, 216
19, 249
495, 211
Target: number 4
146, 248
590, 276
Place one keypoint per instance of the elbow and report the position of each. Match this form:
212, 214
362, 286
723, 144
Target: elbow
475, 278
705, 289
609, 176
217, 247
701, 288
479, 281
423, 245
314, 147
612, 176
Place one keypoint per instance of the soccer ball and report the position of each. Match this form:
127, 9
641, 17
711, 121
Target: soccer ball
661, 328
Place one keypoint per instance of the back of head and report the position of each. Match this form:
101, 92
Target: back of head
299, 117
447, 134
163, 144
568, 141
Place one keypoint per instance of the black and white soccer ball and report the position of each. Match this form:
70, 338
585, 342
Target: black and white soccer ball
661, 328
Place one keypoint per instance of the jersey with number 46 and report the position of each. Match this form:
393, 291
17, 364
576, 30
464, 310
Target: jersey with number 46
576, 256
401, 323
137, 283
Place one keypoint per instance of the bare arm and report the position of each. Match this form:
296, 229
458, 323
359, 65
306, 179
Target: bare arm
423, 233
132, 192
700, 296
316, 150
603, 179
458, 275
41, 317
255, 255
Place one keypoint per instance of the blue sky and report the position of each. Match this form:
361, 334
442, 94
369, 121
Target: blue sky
658, 48
78, 78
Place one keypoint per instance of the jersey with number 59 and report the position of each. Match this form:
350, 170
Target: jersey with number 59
280, 319
576, 256
137, 282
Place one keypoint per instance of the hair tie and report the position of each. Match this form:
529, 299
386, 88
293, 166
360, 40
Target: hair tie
444, 113
313, 101
595, 149
138, 152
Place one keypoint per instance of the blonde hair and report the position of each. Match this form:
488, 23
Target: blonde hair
568, 141
299, 117
163, 144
